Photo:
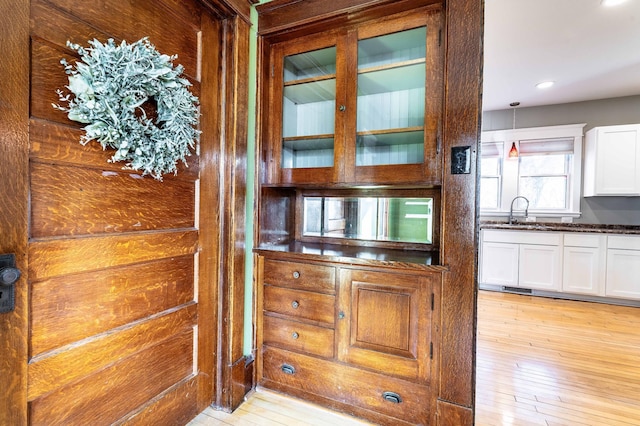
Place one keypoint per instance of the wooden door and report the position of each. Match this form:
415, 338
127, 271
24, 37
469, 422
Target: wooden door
115, 318
385, 322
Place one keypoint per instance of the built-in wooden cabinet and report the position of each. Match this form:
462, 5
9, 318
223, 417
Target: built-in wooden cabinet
360, 104
612, 161
351, 336
355, 304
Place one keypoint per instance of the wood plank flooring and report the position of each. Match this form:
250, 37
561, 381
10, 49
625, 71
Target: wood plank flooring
540, 361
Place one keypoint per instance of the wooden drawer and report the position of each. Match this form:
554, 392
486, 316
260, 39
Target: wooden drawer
298, 336
302, 276
300, 304
348, 385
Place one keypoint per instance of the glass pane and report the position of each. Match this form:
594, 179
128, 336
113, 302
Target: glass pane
490, 166
536, 165
392, 48
391, 98
308, 109
489, 192
370, 218
310, 64
544, 192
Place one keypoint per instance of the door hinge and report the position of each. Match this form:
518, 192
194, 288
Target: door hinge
433, 301
431, 350
440, 37
273, 70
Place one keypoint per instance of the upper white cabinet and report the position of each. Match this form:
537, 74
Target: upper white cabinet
612, 161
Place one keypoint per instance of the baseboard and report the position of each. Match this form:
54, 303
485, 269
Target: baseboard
241, 380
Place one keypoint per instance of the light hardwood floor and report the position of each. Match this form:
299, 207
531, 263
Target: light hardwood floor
540, 361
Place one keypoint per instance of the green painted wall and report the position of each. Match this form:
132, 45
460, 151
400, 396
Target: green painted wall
251, 173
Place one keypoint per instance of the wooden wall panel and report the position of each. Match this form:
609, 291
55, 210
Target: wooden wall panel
71, 201
110, 298
51, 258
133, 20
149, 372
177, 407
52, 370
54, 143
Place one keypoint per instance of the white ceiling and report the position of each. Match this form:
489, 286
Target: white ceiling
590, 51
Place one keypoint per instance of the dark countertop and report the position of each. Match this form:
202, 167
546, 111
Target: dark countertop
405, 259
562, 227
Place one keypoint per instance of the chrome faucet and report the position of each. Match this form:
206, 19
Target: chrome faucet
526, 209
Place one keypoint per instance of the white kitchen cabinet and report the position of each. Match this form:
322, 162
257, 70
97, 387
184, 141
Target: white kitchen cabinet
540, 267
623, 267
530, 260
612, 161
500, 263
584, 264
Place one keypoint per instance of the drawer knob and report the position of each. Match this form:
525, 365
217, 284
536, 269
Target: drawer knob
392, 397
296, 274
295, 304
288, 369
294, 335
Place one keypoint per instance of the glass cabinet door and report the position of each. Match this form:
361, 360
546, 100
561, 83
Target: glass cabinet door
308, 105
391, 98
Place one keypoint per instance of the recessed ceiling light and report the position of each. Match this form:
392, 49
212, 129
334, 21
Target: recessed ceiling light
544, 84
609, 3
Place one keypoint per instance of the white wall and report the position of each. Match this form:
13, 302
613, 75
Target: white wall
626, 110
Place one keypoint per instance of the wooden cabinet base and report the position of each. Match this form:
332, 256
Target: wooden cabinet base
453, 415
362, 393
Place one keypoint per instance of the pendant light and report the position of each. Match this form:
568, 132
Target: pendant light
513, 152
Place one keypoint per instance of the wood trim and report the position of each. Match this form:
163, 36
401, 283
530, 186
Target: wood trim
453, 415
280, 16
228, 9
461, 127
208, 217
14, 156
233, 151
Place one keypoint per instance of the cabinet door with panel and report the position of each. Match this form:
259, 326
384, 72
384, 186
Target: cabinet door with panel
499, 264
358, 105
385, 322
583, 270
623, 267
540, 267
612, 161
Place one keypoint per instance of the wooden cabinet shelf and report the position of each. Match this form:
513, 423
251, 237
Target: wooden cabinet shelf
375, 86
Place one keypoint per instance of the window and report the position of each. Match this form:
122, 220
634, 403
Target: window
491, 179
547, 171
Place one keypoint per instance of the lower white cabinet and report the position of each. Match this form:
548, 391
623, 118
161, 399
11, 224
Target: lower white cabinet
584, 264
623, 267
521, 259
540, 267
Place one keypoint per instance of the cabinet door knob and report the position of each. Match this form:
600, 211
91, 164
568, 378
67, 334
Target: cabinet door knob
295, 335
295, 304
341, 315
342, 108
296, 274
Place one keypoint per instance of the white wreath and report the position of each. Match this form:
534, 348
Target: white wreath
115, 87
